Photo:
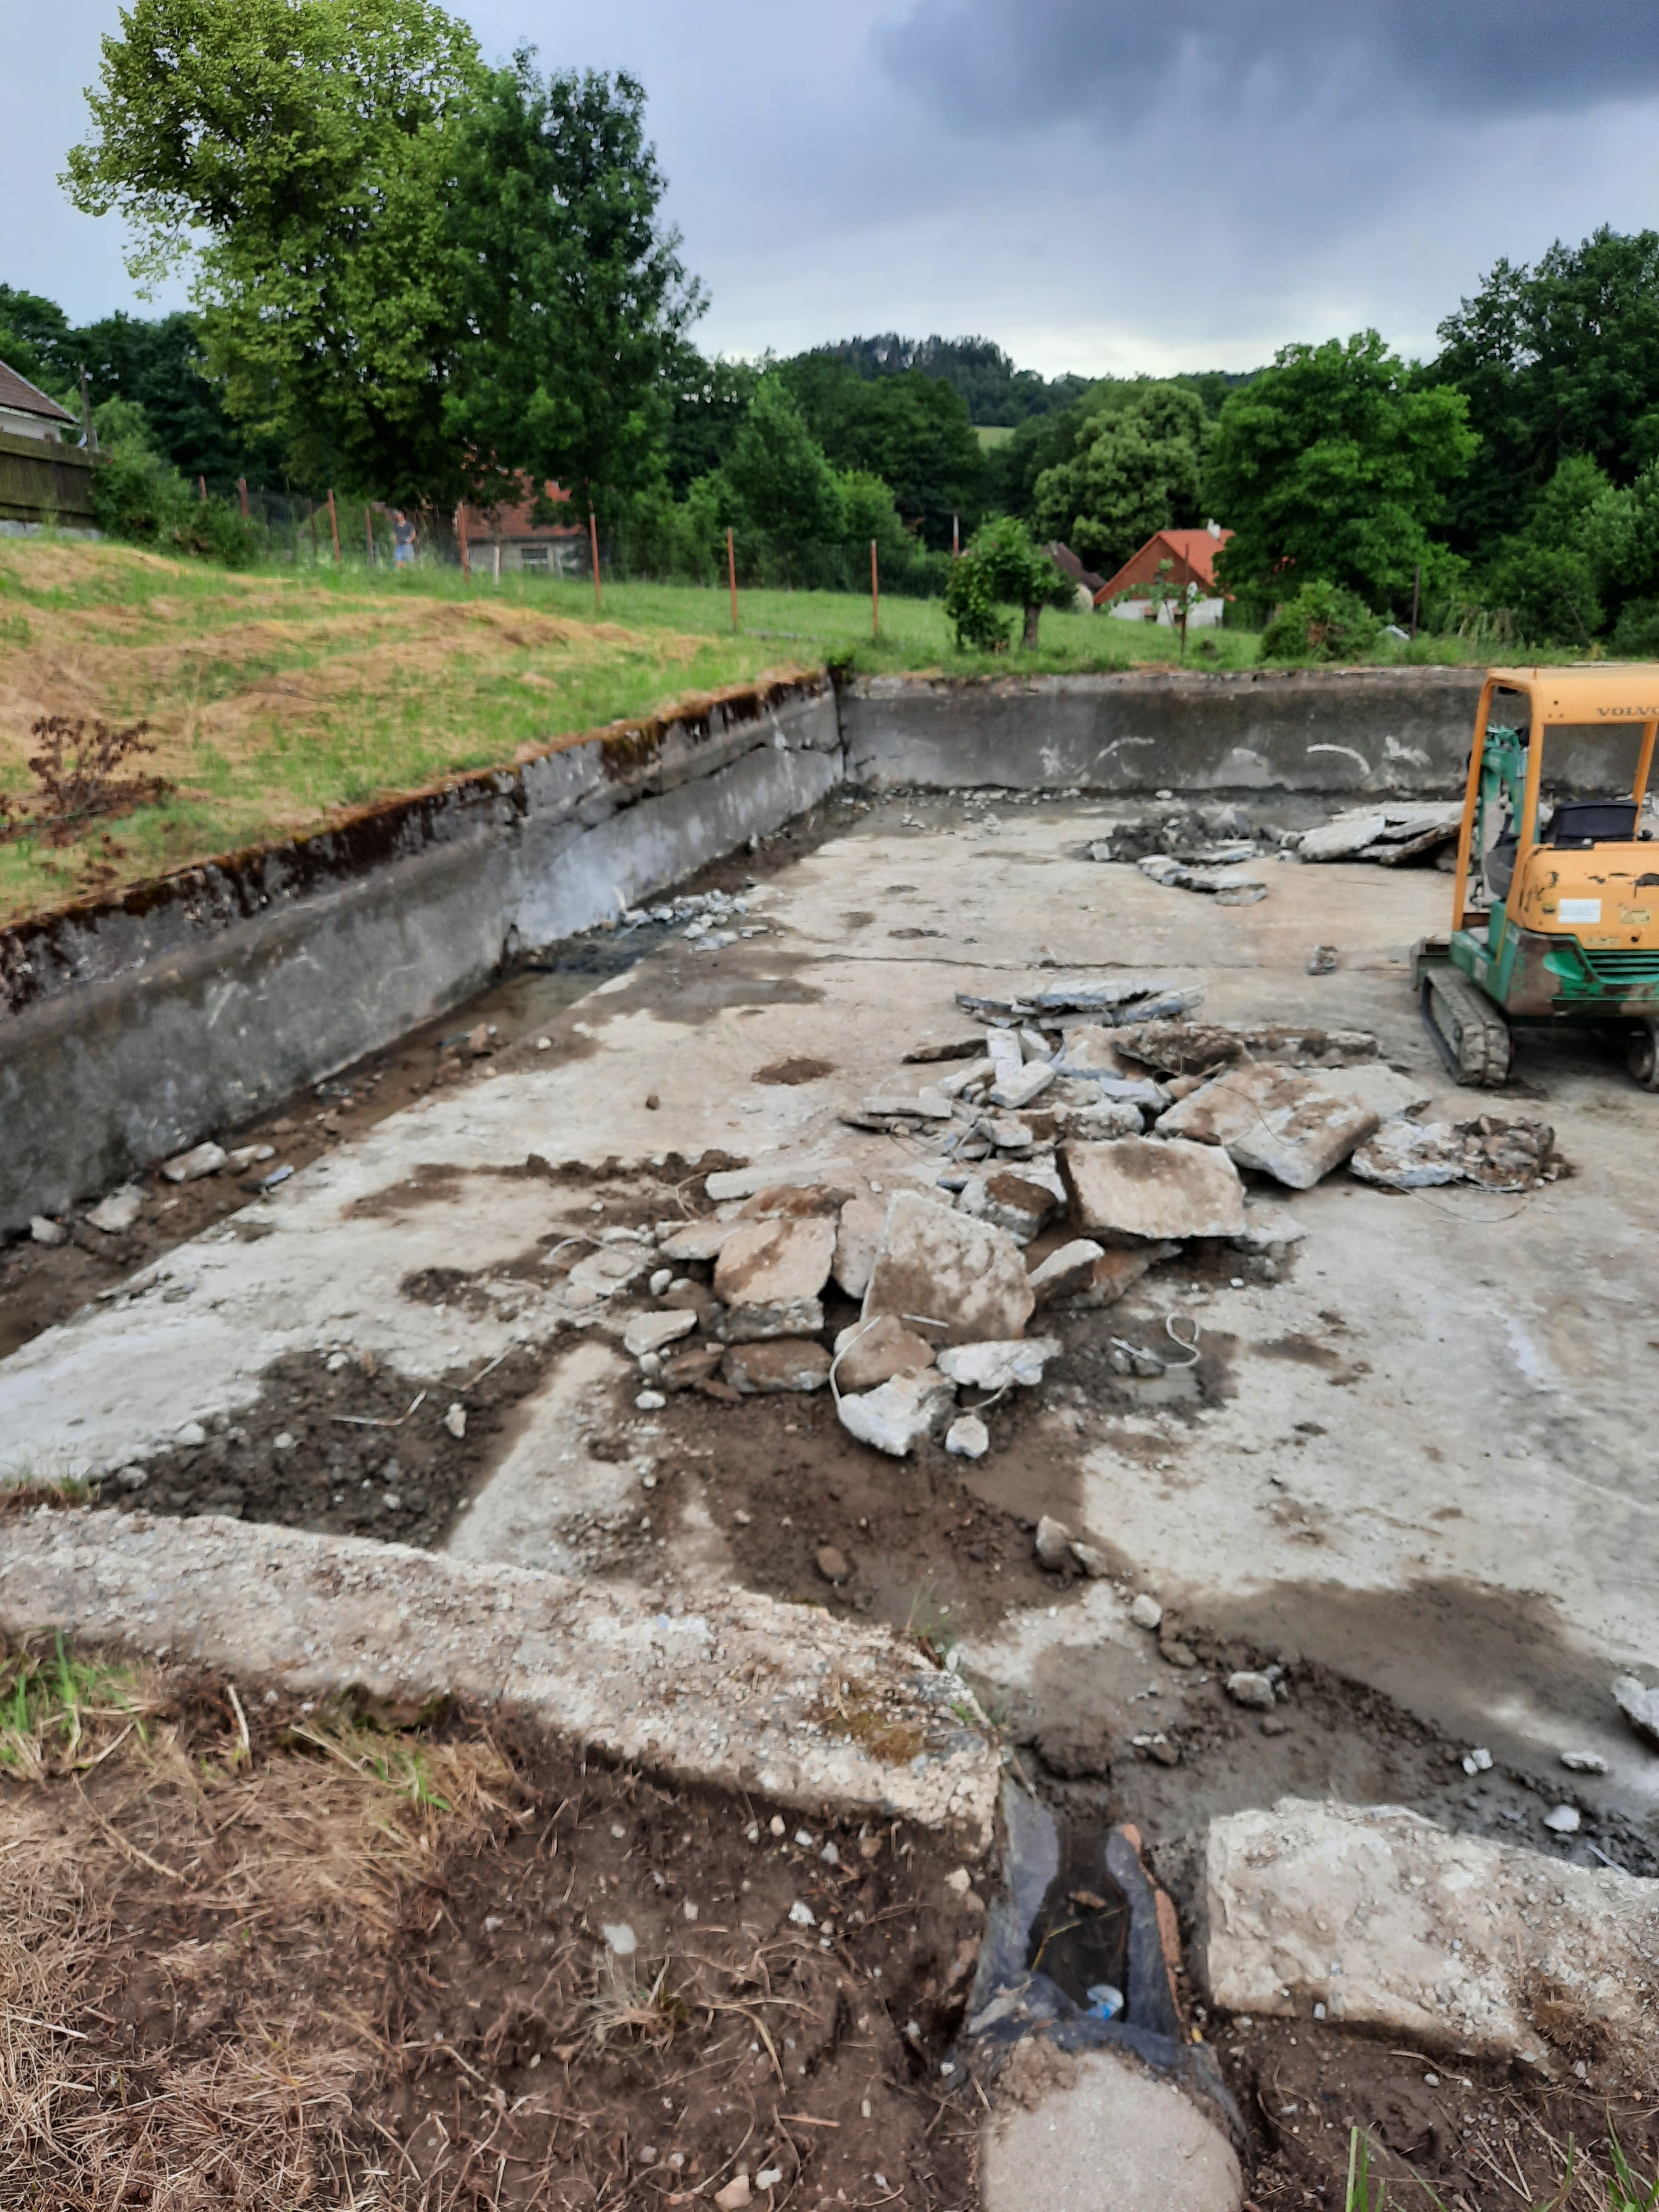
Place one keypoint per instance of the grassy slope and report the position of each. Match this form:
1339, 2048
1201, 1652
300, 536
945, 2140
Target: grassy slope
281, 698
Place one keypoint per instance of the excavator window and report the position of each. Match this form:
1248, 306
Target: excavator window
1579, 823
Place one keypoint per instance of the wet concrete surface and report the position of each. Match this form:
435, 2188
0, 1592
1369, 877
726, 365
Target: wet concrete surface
1419, 1463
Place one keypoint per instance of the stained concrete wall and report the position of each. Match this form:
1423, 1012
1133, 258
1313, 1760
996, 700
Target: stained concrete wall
1335, 731
130, 1031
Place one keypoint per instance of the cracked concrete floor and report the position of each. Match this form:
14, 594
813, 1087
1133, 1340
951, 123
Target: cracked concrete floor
1428, 1459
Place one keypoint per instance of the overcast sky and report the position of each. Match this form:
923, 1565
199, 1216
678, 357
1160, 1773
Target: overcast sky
1098, 185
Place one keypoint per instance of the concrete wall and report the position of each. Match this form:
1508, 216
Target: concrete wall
1336, 731
130, 1031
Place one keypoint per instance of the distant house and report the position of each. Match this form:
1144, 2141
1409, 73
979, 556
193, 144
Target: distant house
1190, 555
25, 411
505, 535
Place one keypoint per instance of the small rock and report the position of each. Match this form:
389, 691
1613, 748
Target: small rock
248, 1156
115, 1214
455, 1420
132, 1478
661, 1282
802, 1916
620, 1938
202, 1160
968, 1437
780, 1363
282, 1442
1639, 1705
831, 1563
1322, 961
650, 1332
652, 1101
959, 1882
1165, 1753
277, 1177
1273, 1726
1093, 1564
192, 1436
1478, 1761
736, 2193
1583, 1762
47, 1232
1053, 1543
1563, 1820
650, 1401
1146, 1611
1253, 1690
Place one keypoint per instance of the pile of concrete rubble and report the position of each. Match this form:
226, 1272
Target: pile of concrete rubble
1201, 848
1096, 1122
708, 920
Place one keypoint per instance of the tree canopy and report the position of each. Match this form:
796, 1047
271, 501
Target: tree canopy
909, 428
1333, 464
1136, 468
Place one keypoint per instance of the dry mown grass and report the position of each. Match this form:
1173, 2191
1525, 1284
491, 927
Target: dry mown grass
277, 701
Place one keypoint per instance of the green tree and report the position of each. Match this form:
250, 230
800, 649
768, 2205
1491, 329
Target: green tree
779, 474
1545, 576
1000, 565
574, 296
161, 366
1323, 622
909, 428
138, 496
1333, 463
707, 401
34, 340
297, 153
1137, 471
1555, 361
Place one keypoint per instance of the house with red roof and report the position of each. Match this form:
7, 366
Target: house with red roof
1190, 558
506, 534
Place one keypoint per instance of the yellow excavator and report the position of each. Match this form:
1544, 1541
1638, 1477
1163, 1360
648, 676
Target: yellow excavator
1555, 908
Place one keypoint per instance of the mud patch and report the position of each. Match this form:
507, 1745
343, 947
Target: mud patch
361, 1450
793, 1071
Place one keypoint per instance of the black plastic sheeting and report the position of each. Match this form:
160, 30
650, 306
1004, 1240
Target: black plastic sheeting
1011, 2000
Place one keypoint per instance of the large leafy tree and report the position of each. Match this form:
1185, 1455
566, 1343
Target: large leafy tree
35, 340
1333, 464
298, 151
1556, 360
1137, 471
574, 295
778, 472
707, 401
162, 367
909, 428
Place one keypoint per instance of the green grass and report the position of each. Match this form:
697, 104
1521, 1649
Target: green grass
56, 1712
281, 699
1621, 2191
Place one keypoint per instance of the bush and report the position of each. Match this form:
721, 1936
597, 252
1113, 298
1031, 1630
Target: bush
1002, 565
1636, 634
1549, 591
1323, 622
970, 601
139, 497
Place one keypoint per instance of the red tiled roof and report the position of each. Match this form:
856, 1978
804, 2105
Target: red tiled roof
514, 521
26, 398
1190, 553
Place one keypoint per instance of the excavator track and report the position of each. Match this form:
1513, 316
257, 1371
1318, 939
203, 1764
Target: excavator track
1473, 1035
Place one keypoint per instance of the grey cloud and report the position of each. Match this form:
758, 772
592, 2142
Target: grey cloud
1032, 62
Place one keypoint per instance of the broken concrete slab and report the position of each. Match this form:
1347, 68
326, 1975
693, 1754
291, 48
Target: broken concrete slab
1388, 834
605, 1272
1017, 1090
1392, 1925
1278, 1120
1497, 1152
696, 1239
897, 1414
765, 1368
794, 1200
1090, 1048
1405, 1155
1268, 1229
1382, 1088
1067, 1272
1087, 995
872, 1351
650, 1332
1009, 1200
1112, 1117
995, 1366
1225, 888
770, 1276
1098, 2131
1147, 1190
611, 1665
744, 1183
962, 1278
857, 1233
879, 1107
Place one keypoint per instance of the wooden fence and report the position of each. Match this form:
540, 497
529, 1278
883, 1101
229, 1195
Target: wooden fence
42, 482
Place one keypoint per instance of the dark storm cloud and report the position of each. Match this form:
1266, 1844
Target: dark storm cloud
1031, 62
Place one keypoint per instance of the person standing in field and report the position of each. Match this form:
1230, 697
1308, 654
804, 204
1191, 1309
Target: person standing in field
403, 539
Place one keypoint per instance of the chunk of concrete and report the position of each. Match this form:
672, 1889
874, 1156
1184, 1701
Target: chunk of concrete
1109, 1118
1268, 1229
1085, 1274
1052, 1543
1275, 1120
1375, 1085
116, 1213
45, 1231
936, 1266
996, 1366
1254, 1690
872, 1351
1010, 1201
650, 1332
1098, 2131
779, 1364
200, 1160
897, 1414
968, 1437
1144, 1190
603, 1273
744, 1183
1639, 1705
1090, 1049
770, 1276
1344, 837
1406, 1155
1018, 1091
697, 1240
1450, 1941
857, 1236
793, 1201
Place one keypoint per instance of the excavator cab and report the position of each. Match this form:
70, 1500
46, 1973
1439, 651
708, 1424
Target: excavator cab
1555, 906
